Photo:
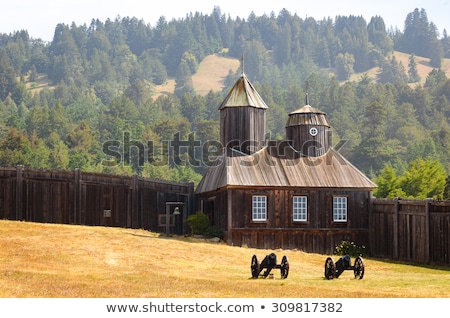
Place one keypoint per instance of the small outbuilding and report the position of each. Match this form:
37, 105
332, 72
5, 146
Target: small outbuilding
298, 193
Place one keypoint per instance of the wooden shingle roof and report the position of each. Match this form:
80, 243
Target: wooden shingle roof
243, 94
267, 168
307, 115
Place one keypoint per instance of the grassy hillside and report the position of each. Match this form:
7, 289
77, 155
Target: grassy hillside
52, 260
210, 75
214, 68
423, 67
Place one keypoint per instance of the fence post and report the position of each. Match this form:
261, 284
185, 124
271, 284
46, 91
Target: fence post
427, 230
19, 192
76, 196
132, 218
395, 229
371, 222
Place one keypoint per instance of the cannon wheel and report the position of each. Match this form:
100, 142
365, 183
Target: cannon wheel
255, 267
330, 268
284, 268
358, 268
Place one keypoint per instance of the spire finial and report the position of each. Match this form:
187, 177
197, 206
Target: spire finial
307, 98
242, 64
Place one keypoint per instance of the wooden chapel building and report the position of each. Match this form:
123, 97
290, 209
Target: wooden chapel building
298, 193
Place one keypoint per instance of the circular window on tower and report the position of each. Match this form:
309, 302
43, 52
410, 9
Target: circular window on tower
313, 131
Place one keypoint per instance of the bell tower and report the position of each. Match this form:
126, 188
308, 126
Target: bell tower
243, 117
308, 131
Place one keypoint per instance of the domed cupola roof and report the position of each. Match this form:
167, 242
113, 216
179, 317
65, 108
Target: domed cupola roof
307, 115
308, 131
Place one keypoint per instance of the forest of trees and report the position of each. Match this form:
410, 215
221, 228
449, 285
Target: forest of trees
100, 113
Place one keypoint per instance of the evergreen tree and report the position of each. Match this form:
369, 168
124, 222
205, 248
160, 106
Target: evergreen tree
392, 71
344, 66
283, 45
425, 178
388, 184
445, 41
377, 33
183, 81
7, 76
435, 49
59, 152
412, 70
138, 92
374, 150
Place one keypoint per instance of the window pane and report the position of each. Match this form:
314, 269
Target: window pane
259, 208
299, 208
339, 209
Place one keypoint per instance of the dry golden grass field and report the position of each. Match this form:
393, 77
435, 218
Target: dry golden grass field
70, 261
214, 68
423, 67
210, 75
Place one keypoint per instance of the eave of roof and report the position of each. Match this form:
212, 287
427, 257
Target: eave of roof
307, 109
263, 169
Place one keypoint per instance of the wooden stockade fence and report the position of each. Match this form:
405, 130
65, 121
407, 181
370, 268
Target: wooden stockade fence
76, 197
416, 231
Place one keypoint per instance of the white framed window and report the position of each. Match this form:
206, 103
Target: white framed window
340, 209
259, 208
300, 208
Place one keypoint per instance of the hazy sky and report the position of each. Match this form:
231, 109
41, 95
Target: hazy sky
40, 18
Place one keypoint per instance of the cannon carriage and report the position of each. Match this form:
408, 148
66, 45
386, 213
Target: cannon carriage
334, 270
268, 263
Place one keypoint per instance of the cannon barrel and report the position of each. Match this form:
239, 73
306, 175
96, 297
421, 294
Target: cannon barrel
270, 260
344, 262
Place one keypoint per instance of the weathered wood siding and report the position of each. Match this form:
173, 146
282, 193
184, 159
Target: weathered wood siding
410, 230
319, 234
75, 197
416, 231
8, 193
302, 141
439, 232
243, 128
322, 241
46, 196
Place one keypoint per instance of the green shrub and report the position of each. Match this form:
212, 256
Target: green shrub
198, 223
350, 248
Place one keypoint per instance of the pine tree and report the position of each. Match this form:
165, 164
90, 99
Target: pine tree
7, 76
412, 70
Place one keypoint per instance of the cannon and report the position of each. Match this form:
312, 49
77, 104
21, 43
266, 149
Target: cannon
334, 270
268, 263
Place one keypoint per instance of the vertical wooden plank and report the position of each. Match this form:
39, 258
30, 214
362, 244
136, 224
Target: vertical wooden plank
134, 216
19, 194
395, 234
229, 213
427, 230
76, 219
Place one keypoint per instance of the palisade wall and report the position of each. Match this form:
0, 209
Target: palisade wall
76, 197
415, 231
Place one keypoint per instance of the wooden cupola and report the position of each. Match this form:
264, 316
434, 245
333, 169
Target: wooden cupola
308, 131
243, 118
